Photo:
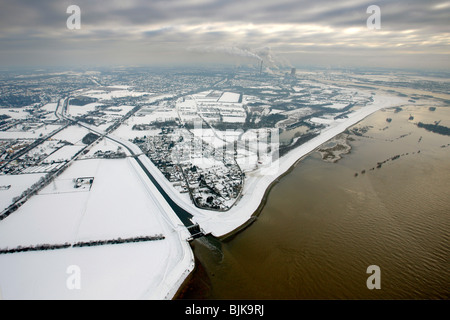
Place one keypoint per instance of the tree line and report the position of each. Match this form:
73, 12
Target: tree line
40, 247
118, 241
45, 247
436, 128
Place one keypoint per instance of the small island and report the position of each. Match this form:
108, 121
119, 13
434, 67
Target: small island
339, 147
436, 128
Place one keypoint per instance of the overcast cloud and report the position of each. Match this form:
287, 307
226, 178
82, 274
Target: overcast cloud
414, 33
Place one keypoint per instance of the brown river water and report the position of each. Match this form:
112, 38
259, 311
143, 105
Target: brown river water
322, 226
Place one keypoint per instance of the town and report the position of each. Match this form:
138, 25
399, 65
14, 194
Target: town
205, 131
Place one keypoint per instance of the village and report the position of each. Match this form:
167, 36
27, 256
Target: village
210, 176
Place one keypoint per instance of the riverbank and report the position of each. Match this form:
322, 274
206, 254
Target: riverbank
320, 227
257, 185
258, 182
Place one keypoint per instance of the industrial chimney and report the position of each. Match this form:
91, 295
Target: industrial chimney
293, 72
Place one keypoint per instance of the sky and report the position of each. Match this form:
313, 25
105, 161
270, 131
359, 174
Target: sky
325, 33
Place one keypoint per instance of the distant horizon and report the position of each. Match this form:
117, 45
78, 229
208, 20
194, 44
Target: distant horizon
214, 67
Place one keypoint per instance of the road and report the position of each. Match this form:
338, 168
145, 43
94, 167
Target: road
182, 214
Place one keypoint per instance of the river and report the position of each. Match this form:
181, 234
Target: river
323, 225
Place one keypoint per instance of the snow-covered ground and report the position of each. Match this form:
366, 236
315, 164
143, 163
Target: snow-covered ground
50, 108
103, 145
120, 204
16, 113
14, 185
19, 133
257, 182
338, 106
321, 120
72, 134
76, 111
124, 271
114, 92
63, 154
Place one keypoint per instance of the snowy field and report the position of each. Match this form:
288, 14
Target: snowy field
120, 204
15, 113
18, 132
124, 271
337, 106
114, 92
72, 134
50, 109
18, 184
63, 154
76, 111
321, 120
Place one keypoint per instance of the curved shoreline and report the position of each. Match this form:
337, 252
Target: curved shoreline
260, 183
229, 235
262, 203
240, 261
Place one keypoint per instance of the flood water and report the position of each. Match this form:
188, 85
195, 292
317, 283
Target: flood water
322, 227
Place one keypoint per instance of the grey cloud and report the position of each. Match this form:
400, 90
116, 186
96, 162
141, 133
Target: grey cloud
49, 13
153, 25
